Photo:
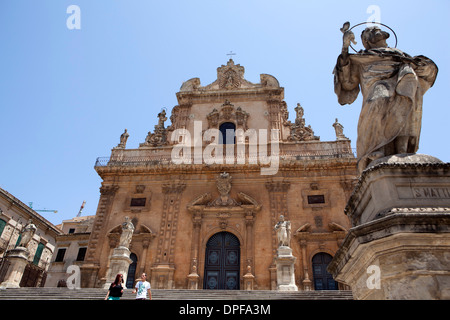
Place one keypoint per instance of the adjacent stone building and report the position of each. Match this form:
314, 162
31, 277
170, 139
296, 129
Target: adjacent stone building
205, 192
14, 215
71, 246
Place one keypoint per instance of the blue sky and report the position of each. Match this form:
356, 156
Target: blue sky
67, 95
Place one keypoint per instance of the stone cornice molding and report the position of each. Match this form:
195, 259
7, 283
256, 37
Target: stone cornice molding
346, 164
399, 223
390, 169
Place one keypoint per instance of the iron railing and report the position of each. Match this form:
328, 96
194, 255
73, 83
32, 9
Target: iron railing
125, 160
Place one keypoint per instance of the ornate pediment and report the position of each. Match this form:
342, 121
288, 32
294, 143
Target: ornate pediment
230, 76
201, 200
228, 113
224, 202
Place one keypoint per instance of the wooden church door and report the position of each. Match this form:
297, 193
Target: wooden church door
222, 262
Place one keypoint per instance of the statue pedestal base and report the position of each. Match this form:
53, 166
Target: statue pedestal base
162, 276
18, 259
399, 243
285, 269
249, 281
118, 263
193, 281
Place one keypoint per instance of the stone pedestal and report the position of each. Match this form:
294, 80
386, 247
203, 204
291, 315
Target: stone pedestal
249, 281
399, 243
193, 281
118, 263
162, 276
18, 259
285, 269
307, 285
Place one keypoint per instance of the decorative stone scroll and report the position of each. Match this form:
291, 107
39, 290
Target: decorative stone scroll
299, 131
159, 137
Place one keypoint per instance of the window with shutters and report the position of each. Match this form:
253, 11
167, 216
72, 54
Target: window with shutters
38, 254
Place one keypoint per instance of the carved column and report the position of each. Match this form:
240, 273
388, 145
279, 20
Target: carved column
193, 276
112, 246
89, 270
249, 221
275, 114
145, 245
180, 116
278, 206
249, 278
306, 282
164, 267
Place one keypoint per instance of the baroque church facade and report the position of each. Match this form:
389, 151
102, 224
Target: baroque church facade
205, 192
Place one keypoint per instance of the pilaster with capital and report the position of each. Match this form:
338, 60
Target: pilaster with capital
107, 193
278, 206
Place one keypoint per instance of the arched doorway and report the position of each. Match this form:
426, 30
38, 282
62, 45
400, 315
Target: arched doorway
227, 133
131, 275
323, 280
222, 262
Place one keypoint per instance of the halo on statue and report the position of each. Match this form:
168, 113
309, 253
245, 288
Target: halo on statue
379, 23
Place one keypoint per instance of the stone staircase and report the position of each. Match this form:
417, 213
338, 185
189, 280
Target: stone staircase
179, 294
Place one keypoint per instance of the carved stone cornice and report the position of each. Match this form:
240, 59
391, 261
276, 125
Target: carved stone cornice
108, 190
173, 187
278, 186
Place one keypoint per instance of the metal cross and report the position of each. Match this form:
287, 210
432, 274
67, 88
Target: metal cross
231, 54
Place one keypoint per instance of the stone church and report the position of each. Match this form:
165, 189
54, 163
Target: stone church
205, 192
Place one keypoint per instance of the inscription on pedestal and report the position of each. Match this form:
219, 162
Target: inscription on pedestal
423, 192
431, 192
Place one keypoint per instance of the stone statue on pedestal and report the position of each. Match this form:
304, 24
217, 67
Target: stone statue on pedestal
283, 230
399, 191
392, 84
339, 129
284, 260
159, 137
120, 261
127, 233
123, 139
27, 234
18, 258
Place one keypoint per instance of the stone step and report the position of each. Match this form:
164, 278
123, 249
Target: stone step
177, 294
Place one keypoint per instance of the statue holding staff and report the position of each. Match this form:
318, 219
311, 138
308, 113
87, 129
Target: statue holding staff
392, 84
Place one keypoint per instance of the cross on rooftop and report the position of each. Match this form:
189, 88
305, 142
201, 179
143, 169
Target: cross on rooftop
231, 54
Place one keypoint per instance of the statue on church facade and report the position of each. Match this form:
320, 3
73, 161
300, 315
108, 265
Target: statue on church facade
27, 234
127, 233
299, 131
159, 137
123, 139
392, 84
339, 129
283, 230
